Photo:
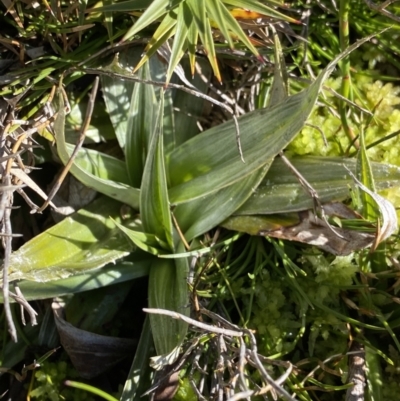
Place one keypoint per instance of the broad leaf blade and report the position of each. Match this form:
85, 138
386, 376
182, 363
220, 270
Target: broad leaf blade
86, 240
281, 192
100, 165
145, 241
118, 93
139, 377
201, 215
137, 266
168, 290
264, 133
189, 108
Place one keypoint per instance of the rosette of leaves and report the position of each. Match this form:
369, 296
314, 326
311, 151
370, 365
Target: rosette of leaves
181, 184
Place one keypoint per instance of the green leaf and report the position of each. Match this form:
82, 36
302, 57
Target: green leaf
154, 204
370, 210
188, 108
192, 38
165, 30
119, 272
145, 241
100, 127
114, 189
198, 9
152, 12
100, 164
178, 10
168, 290
281, 192
255, 224
184, 20
117, 93
125, 6
228, 25
202, 214
212, 160
279, 89
215, 10
108, 20
374, 375
257, 6
139, 377
86, 240
142, 115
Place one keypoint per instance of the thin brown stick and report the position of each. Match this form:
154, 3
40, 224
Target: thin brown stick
204, 326
6, 262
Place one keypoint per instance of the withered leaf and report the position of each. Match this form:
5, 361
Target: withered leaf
90, 353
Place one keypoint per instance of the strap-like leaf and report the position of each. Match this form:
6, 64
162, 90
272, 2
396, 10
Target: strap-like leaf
212, 160
142, 115
168, 290
153, 11
202, 214
281, 192
116, 190
86, 240
154, 204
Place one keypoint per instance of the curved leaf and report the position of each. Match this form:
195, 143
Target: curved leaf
119, 272
142, 115
116, 190
281, 192
154, 204
212, 160
83, 241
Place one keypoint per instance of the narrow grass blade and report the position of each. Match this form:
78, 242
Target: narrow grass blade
126, 6
365, 175
198, 9
165, 30
257, 6
153, 11
184, 21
